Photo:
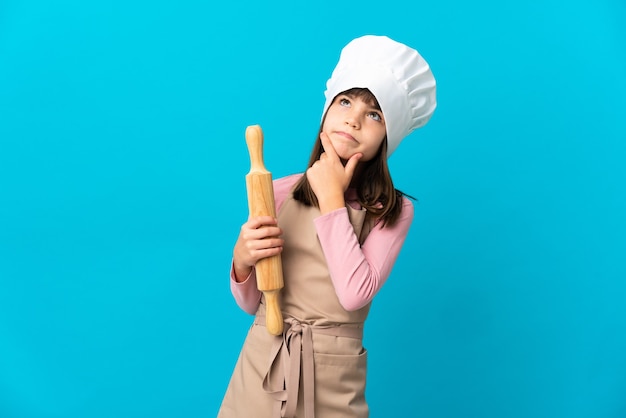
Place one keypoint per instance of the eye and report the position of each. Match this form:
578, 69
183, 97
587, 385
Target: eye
344, 102
375, 116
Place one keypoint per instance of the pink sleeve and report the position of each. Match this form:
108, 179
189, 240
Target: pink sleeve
246, 293
358, 272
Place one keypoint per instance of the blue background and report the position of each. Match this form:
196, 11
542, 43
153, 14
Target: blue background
122, 164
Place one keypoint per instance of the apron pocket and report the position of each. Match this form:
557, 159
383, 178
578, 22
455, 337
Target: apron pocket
340, 385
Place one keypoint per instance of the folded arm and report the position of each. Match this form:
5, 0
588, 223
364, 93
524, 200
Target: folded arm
358, 272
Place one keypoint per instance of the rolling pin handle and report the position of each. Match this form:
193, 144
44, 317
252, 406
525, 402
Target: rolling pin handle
273, 315
254, 139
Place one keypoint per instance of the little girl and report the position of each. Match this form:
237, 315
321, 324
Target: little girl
339, 229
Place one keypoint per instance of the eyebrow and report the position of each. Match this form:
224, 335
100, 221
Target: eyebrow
376, 108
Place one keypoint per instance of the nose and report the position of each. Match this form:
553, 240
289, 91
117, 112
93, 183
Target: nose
352, 120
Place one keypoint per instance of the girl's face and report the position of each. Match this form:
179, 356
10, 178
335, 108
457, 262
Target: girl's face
354, 125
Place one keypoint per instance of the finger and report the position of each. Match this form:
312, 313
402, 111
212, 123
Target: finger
261, 233
328, 146
263, 244
269, 252
352, 163
259, 221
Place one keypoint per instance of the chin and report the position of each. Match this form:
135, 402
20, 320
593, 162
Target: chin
344, 157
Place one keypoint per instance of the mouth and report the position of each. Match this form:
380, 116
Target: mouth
346, 135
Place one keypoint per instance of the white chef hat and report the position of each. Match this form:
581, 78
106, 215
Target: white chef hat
396, 74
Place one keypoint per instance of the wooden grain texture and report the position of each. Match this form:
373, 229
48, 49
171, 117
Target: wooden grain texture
269, 271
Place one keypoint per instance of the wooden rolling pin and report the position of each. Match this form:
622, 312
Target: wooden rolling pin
269, 271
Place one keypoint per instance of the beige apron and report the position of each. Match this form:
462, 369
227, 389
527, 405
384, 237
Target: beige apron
317, 368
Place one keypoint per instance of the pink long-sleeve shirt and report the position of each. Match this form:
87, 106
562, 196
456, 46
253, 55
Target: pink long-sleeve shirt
357, 271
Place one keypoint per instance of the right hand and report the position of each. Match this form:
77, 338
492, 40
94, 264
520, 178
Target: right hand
329, 177
258, 238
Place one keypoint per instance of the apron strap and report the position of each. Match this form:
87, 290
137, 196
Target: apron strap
291, 352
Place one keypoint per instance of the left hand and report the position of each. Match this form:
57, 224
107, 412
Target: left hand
329, 178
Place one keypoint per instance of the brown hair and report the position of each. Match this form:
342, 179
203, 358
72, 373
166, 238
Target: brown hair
375, 190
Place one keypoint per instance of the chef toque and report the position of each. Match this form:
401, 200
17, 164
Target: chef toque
397, 75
